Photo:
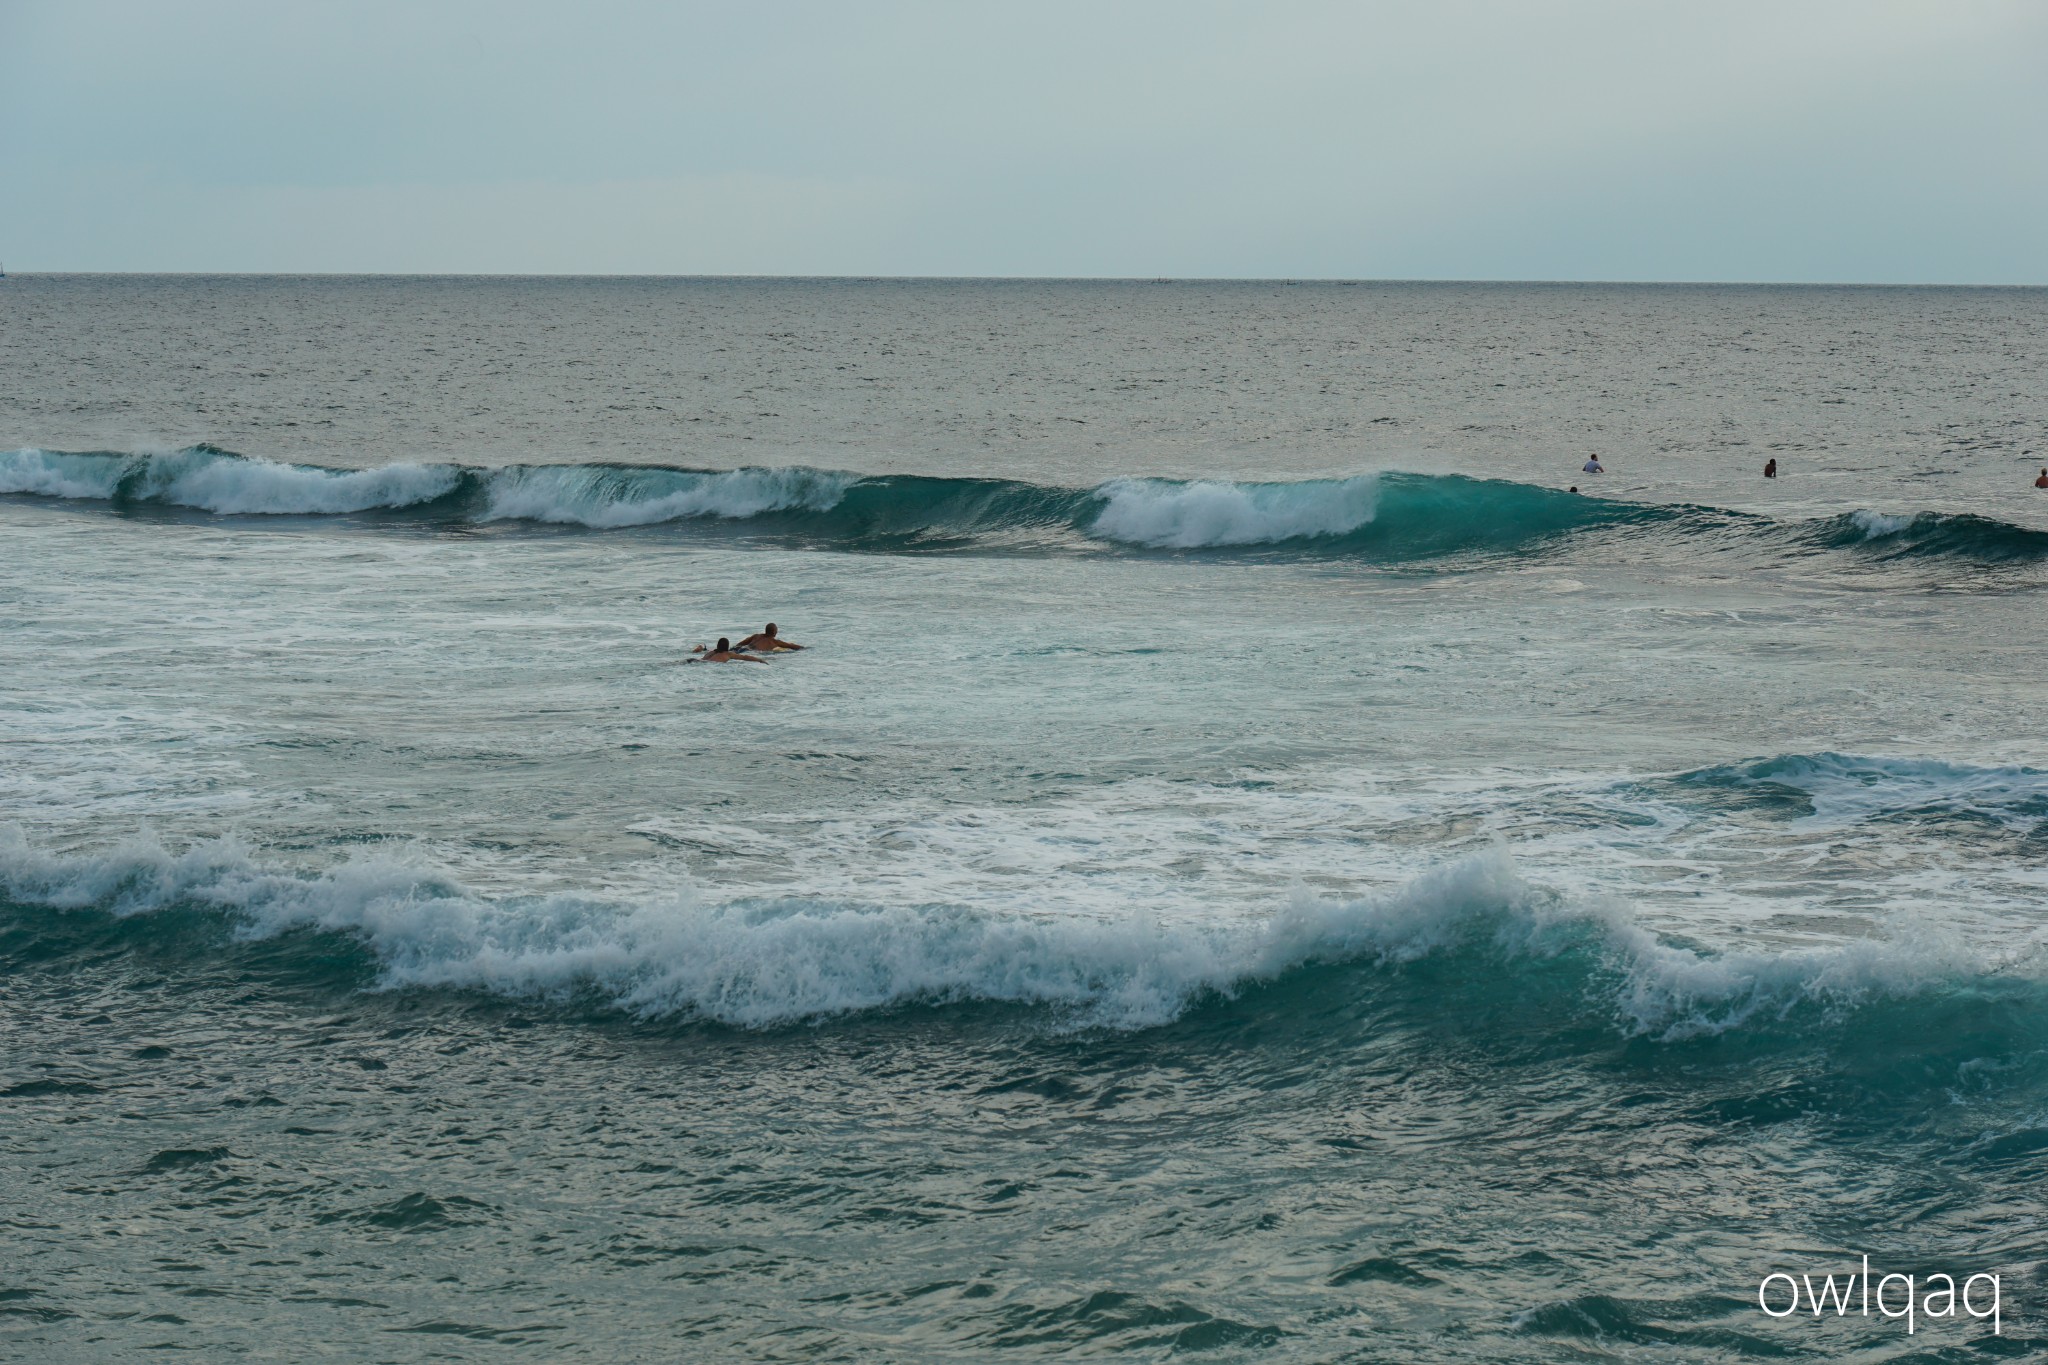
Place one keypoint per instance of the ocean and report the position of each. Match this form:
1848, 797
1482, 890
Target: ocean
1248, 865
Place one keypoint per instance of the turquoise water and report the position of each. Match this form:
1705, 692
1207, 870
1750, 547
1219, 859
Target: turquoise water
1238, 879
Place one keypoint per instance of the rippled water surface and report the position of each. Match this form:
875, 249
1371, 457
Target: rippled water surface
1249, 865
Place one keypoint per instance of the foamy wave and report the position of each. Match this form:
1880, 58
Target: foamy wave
1672, 993
1878, 525
1848, 788
767, 963
606, 496
1954, 536
1164, 514
1665, 991
214, 481
1389, 517
53, 474
229, 484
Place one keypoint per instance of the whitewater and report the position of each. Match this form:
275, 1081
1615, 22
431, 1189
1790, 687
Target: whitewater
1425, 515
1259, 858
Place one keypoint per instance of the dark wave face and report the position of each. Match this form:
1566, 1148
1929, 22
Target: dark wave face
1384, 518
1932, 536
1381, 516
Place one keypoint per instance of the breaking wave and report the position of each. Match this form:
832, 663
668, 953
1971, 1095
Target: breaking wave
607, 496
214, 481
767, 963
1376, 515
1166, 514
1932, 535
1383, 517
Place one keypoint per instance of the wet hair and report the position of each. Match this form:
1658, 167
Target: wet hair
723, 645
771, 628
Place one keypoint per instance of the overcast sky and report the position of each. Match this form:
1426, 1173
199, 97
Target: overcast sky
1859, 140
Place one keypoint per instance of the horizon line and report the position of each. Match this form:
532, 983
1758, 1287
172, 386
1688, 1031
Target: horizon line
1007, 279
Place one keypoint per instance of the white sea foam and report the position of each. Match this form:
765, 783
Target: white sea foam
599, 496
759, 963
1670, 992
607, 496
52, 474
229, 484
1164, 514
1878, 525
214, 482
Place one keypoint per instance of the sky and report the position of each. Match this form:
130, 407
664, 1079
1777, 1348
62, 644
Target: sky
1870, 141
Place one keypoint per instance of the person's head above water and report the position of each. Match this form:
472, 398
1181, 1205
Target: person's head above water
770, 630
723, 645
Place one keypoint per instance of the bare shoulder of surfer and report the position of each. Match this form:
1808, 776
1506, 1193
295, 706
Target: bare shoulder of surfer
724, 653
767, 641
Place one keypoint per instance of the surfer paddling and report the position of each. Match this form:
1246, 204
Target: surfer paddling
722, 653
766, 641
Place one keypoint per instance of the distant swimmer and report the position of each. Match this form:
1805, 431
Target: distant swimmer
2042, 482
766, 641
1573, 489
1592, 466
1770, 469
724, 653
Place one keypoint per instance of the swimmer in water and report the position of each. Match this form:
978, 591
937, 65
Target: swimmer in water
1771, 469
766, 642
2042, 482
1592, 466
723, 653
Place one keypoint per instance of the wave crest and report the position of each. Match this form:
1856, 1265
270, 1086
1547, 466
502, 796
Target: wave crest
1389, 517
1957, 536
764, 963
58, 474
1166, 514
607, 496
